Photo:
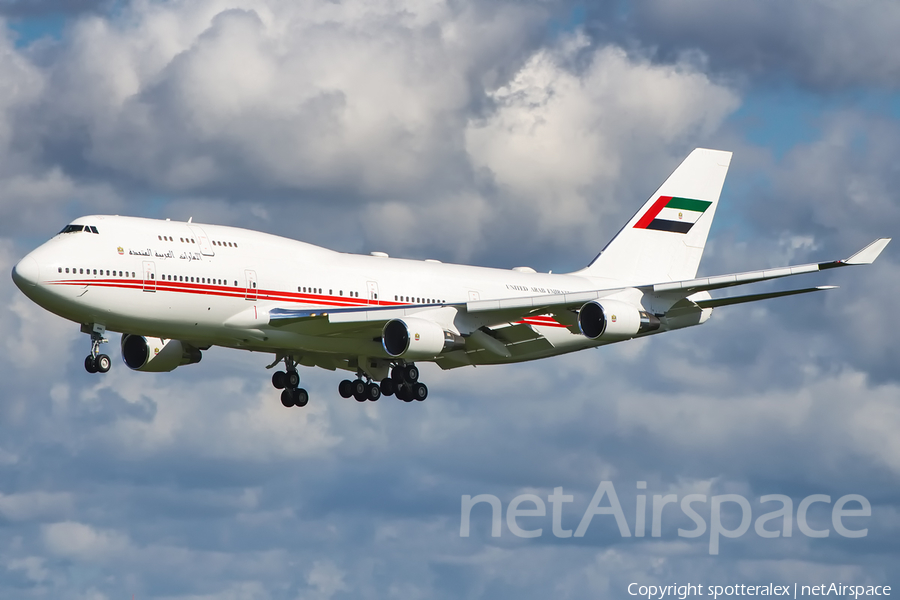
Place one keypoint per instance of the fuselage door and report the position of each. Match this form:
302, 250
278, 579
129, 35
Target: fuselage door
373, 291
202, 241
149, 271
251, 292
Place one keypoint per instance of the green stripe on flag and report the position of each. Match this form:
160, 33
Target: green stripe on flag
688, 204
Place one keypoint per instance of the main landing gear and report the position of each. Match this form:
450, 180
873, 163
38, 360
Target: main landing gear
359, 389
404, 382
289, 382
96, 362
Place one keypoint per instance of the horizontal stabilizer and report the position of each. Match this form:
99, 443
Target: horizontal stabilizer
716, 302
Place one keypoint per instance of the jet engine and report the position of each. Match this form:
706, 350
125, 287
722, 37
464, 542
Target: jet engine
611, 320
413, 338
156, 355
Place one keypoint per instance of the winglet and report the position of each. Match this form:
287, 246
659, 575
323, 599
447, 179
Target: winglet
867, 255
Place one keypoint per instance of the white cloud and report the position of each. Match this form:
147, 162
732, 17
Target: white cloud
82, 542
325, 579
32, 566
35, 505
559, 136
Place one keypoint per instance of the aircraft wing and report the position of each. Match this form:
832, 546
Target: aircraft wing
531, 305
498, 312
865, 256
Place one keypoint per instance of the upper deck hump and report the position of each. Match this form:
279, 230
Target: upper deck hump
251, 241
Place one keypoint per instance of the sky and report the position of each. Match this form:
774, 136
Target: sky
519, 133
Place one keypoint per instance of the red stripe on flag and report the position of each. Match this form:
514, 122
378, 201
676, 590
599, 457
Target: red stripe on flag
651, 214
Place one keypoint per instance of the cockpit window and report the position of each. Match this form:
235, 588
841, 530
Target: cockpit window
75, 228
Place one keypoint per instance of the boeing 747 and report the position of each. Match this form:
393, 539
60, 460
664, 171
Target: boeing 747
175, 289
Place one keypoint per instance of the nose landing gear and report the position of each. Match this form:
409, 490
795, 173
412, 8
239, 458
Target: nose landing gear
96, 362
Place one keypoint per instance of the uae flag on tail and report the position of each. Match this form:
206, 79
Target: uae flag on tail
670, 213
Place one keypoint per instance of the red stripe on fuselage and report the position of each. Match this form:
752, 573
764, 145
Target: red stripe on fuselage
228, 292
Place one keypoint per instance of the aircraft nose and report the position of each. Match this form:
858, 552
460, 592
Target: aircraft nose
27, 273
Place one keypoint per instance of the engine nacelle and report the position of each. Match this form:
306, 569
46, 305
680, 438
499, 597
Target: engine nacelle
410, 337
155, 355
614, 320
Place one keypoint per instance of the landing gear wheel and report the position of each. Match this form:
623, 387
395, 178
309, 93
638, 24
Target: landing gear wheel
90, 365
397, 375
373, 392
287, 398
292, 379
387, 386
358, 388
279, 379
411, 373
404, 392
345, 388
102, 363
419, 391
301, 397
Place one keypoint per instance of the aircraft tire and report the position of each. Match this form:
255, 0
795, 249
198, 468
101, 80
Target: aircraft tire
358, 388
397, 375
373, 392
411, 373
404, 393
292, 379
345, 388
387, 386
287, 398
103, 363
419, 391
279, 379
301, 397
90, 365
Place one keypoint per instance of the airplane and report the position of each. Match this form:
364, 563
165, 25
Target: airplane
175, 289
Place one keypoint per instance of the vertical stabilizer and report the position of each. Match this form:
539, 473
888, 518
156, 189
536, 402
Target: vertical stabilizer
664, 240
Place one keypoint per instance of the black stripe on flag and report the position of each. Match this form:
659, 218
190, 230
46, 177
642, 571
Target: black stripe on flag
673, 226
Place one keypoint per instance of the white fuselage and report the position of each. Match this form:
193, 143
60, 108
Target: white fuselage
210, 284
